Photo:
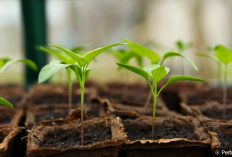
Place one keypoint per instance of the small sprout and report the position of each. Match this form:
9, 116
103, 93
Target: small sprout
124, 56
224, 55
181, 46
157, 73
79, 67
4, 64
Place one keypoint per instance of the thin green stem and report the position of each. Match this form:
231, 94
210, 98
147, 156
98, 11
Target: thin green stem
70, 92
148, 99
154, 109
82, 104
224, 93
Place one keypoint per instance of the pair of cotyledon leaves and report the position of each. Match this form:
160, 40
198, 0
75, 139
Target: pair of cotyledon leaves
157, 73
4, 64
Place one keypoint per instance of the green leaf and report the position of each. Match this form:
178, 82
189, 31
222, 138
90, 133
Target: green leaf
139, 60
28, 62
62, 56
143, 51
180, 78
172, 54
127, 57
183, 46
136, 70
94, 53
77, 70
223, 54
3, 61
149, 68
159, 73
78, 58
78, 49
5, 102
48, 70
183, 78
208, 56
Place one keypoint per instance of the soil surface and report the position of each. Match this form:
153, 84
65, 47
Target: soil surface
161, 133
50, 116
62, 140
226, 140
217, 114
223, 131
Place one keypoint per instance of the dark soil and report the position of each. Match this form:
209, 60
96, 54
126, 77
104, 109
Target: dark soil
62, 140
226, 140
161, 133
212, 95
223, 131
217, 114
50, 116
49, 100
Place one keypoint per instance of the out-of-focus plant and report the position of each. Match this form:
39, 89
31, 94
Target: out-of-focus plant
125, 56
223, 56
213, 57
156, 73
79, 67
4, 64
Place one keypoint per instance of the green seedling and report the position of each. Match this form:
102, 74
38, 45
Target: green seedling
155, 58
224, 55
182, 46
157, 73
214, 58
125, 56
64, 58
4, 64
79, 67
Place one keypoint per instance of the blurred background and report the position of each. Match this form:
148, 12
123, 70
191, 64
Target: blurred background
157, 24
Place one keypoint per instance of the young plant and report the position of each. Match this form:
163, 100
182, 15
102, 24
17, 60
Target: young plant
63, 57
224, 55
213, 58
4, 64
155, 58
79, 67
124, 56
156, 73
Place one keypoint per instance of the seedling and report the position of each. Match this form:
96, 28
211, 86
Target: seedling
125, 56
157, 73
213, 58
155, 58
80, 68
224, 55
63, 57
4, 64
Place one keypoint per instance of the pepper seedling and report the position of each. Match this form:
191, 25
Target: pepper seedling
157, 73
155, 58
224, 55
125, 56
214, 58
80, 68
63, 57
4, 64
